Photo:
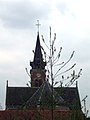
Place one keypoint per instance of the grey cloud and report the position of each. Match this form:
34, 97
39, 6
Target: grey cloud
22, 14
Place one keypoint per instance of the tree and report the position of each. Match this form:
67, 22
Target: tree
53, 60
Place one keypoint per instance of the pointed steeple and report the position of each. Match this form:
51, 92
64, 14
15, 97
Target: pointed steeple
38, 72
38, 54
38, 62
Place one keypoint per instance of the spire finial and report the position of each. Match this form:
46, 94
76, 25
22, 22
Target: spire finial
38, 25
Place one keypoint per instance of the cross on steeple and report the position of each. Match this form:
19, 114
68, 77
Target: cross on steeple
38, 25
38, 62
38, 72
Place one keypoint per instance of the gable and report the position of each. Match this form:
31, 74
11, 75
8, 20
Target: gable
43, 97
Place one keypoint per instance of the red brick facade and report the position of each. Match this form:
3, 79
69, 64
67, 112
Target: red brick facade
39, 115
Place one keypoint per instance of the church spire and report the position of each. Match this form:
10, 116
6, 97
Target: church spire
38, 62
38, 72
38, 54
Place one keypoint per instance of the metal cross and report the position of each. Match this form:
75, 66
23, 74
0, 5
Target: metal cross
38, 25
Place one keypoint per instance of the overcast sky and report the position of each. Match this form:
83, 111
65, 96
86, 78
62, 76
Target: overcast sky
70, 19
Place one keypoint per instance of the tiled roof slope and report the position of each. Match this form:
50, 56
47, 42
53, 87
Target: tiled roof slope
18, 96
71, 96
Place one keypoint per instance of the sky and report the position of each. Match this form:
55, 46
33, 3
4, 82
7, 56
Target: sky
69, 19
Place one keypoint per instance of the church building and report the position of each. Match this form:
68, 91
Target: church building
38, 96
40, 92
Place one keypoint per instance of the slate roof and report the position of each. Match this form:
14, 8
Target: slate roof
18, 96
71, 96
38, 62
38, 53
43, 97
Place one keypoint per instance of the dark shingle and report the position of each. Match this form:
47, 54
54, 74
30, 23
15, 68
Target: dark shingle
43, 97
18, 96
70, 95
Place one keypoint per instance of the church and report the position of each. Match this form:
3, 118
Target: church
37, 98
